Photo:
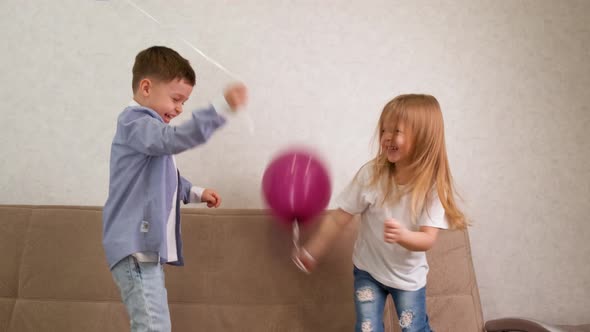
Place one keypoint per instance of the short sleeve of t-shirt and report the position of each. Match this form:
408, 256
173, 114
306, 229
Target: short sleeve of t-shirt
357, 197
434, 215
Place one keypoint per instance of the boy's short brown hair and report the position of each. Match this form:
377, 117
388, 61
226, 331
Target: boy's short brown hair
161, 63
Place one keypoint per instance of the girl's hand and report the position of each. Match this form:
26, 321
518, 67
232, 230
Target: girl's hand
394, 232
211, 198
304, 261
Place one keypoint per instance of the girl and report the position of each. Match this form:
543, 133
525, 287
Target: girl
404, 196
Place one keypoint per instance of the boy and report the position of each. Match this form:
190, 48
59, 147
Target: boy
141, 217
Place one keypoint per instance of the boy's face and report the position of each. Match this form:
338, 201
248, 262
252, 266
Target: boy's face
166, 98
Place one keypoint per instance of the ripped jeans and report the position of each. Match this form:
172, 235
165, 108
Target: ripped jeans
369, 302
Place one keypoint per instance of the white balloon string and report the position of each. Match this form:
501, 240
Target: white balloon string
201, 53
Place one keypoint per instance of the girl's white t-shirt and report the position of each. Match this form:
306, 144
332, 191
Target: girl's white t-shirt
389, 263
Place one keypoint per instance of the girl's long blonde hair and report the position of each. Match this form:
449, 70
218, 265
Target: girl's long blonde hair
429, 166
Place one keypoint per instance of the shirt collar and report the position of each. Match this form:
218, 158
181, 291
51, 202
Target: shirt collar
133, 103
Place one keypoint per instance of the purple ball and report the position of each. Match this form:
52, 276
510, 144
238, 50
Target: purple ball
296, 186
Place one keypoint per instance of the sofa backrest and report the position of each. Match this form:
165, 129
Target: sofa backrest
238, 276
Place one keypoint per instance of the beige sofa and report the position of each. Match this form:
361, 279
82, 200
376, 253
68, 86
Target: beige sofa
238, 277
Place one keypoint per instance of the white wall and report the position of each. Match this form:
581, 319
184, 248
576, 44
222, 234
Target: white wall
510, 75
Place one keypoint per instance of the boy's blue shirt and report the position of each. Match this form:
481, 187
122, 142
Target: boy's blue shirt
143, 179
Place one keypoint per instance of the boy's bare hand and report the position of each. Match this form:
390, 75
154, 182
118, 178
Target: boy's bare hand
236, 95
211, 198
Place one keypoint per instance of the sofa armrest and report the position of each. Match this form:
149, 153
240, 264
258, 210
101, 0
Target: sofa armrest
519, 324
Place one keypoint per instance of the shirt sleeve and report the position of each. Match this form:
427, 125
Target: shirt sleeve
190, 193
184, 190
195, 194
357, 197
150, 136
434, 214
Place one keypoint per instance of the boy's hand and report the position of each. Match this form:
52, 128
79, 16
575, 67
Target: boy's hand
211, 198
394, 231
236, 95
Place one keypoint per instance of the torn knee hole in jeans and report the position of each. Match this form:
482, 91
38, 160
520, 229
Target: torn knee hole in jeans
366, 326
365, 295
405, 319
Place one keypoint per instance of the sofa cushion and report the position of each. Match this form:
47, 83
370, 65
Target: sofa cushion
56, 315
14, 222
63, 257
6, 308
238, 276
452, 295
238, 271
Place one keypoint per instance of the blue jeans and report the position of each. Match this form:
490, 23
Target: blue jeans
144, 293
369, 302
